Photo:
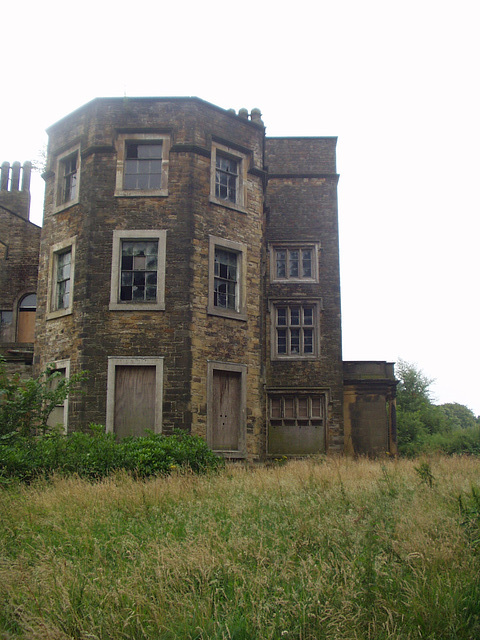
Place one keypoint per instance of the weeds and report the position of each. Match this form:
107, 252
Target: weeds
339, 550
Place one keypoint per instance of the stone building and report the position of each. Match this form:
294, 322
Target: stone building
19, 248
190, 264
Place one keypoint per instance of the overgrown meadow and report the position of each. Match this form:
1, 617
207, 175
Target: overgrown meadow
326, 548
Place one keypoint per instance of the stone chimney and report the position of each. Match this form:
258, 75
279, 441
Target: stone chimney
12, 197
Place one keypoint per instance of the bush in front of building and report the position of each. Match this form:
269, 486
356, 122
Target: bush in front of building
97, 454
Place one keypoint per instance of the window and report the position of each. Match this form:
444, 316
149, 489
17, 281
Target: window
295, 330
297, 410
227, 260
294, 262
134, 395
138, 270
68, 179
142, 164
226, 279
61, 278
6, 326
59, 415
228, 177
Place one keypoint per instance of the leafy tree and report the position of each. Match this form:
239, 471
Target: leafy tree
25, 405
417, 417
423, 426
413, 391
458, 415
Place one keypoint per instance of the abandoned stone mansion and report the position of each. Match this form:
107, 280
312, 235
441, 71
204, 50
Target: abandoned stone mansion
190, 264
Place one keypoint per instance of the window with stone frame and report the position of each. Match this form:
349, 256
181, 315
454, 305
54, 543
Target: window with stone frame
228, 177
295, 330
63, 266
142, 164
227, 263
61, 278
138, 270
297, 410
68, 179
294, 262
226, 283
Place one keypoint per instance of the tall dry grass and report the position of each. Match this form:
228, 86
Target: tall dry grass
314, 549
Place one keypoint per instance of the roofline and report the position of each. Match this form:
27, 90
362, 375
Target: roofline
99, 100
14, 213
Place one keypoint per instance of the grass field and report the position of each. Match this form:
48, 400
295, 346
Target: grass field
330, 548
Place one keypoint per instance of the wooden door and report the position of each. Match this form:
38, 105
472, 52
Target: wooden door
226, 410
26, 326
134, 400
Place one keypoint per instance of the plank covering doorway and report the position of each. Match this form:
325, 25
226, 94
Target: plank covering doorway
134, 401
226, 408
134, 395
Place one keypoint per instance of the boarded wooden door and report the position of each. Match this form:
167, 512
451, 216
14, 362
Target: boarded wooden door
134, 400
226, 410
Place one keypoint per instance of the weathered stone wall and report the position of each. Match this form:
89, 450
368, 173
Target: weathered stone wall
302, 207
183, 334
19, 249
369, 408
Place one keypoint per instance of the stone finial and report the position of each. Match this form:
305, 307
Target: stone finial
26, 175
256, 116
15, 179
243, 113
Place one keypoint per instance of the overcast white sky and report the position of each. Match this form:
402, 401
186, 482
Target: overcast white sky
397, 82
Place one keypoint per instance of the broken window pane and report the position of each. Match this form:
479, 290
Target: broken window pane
225, 279
226, 175
138, 276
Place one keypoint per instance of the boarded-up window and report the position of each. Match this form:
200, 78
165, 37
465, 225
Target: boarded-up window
134, 411
226, 410
297, 423
26, 318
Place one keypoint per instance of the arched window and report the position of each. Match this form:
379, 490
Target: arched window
26, 318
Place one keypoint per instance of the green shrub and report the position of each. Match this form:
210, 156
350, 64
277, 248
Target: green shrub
97, 454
